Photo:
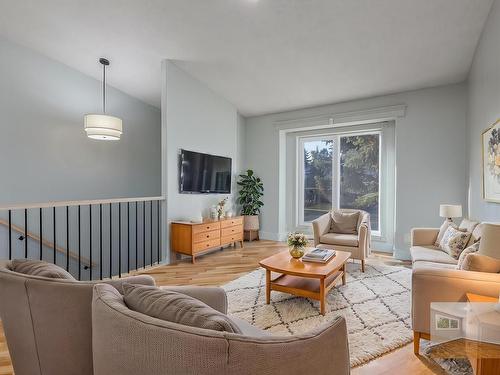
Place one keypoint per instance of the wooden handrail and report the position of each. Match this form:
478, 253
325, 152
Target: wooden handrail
78, 203
85, 261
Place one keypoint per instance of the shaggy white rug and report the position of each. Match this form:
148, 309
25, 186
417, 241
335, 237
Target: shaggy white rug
376, 305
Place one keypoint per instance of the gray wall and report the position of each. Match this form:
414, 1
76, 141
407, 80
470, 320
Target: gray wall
45, 154
195, 118
431, 160
484, 110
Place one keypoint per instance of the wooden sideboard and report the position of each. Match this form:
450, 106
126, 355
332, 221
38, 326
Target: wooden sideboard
195, 238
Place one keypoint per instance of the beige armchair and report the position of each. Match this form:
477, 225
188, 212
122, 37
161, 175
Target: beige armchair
127, 342
48, 324
357, 244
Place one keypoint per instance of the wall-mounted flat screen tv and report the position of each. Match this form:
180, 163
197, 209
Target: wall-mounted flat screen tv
204, 173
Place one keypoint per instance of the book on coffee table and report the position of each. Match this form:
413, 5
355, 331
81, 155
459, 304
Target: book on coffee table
319, 255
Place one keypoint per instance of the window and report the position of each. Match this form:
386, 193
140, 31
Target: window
340, 171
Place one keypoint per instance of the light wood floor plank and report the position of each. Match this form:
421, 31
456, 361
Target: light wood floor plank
220, 267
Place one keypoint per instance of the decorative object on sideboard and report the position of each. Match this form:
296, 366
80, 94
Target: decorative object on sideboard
490, 140
297, 243
101, 126
220, 209
449, 211
250, 194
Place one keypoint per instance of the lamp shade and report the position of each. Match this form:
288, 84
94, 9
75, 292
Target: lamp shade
450, 210
103, 127
490, 240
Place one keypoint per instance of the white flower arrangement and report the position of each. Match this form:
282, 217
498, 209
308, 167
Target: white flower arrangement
297, 239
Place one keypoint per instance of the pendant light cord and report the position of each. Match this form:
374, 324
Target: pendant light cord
103, 88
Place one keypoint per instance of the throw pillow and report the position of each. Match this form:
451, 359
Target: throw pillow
468, 225
39, 268
344, 222
481, 263
442, 230
176, 307
471, 249
454, 241
476, 234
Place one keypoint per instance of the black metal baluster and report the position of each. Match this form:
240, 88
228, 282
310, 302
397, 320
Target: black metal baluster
90, 239
136, 241
41, 236
100, 241
144, 234
10, 234
110, 240
119, 240
26, 233
151, 232
158, 231
128, 237
54, 231
67, 238
79, 245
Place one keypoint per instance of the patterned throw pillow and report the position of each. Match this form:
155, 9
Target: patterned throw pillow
471, 249
454, 241
442, 230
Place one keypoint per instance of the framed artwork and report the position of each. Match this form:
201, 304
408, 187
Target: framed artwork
491, 163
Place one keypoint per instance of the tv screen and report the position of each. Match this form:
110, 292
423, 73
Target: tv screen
204, 173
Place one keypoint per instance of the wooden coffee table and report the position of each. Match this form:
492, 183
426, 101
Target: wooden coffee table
304, 279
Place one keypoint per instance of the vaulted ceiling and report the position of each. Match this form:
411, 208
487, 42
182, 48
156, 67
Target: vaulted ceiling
261, 55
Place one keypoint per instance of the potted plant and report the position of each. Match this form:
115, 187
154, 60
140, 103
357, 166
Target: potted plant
250, 194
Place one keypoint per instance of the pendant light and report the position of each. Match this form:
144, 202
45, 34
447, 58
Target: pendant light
100, 125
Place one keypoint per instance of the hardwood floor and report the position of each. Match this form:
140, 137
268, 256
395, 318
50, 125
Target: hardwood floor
218, 268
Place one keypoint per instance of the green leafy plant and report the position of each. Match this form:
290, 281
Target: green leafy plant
251, 191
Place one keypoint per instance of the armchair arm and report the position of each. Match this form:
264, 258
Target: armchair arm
446, 285
214, 297
364, 234
424, 236
320, 227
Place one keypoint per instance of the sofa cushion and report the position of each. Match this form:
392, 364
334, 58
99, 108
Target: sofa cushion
481, 263
433, 265
454, 241
39, 268
468, 225
249, 330
430, 254
340, 239
344, 222
176, 307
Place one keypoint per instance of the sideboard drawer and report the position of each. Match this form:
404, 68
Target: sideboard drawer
231, 231
231, 238
205, 227
200, 246
231, 222
206, 236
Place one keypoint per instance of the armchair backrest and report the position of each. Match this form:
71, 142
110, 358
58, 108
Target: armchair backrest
143, 344
48, 323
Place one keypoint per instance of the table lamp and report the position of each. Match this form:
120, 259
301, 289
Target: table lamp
449, 211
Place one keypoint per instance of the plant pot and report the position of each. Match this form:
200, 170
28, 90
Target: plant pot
251, 222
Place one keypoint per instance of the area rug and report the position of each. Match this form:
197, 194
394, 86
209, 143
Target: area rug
376, 305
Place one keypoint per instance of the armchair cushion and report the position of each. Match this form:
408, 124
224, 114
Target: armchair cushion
39, 268
176, 307
340, 239
430, 254
344, 222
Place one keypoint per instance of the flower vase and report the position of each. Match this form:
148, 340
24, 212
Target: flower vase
297, 252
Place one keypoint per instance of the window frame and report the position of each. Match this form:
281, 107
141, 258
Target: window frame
335, 137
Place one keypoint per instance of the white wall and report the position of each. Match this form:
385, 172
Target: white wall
431, 156
44, 152
483, 110
195, 118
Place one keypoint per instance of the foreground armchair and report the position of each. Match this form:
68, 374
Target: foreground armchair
353, 237
127, 342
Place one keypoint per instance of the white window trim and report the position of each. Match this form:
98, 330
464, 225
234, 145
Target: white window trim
335, 137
